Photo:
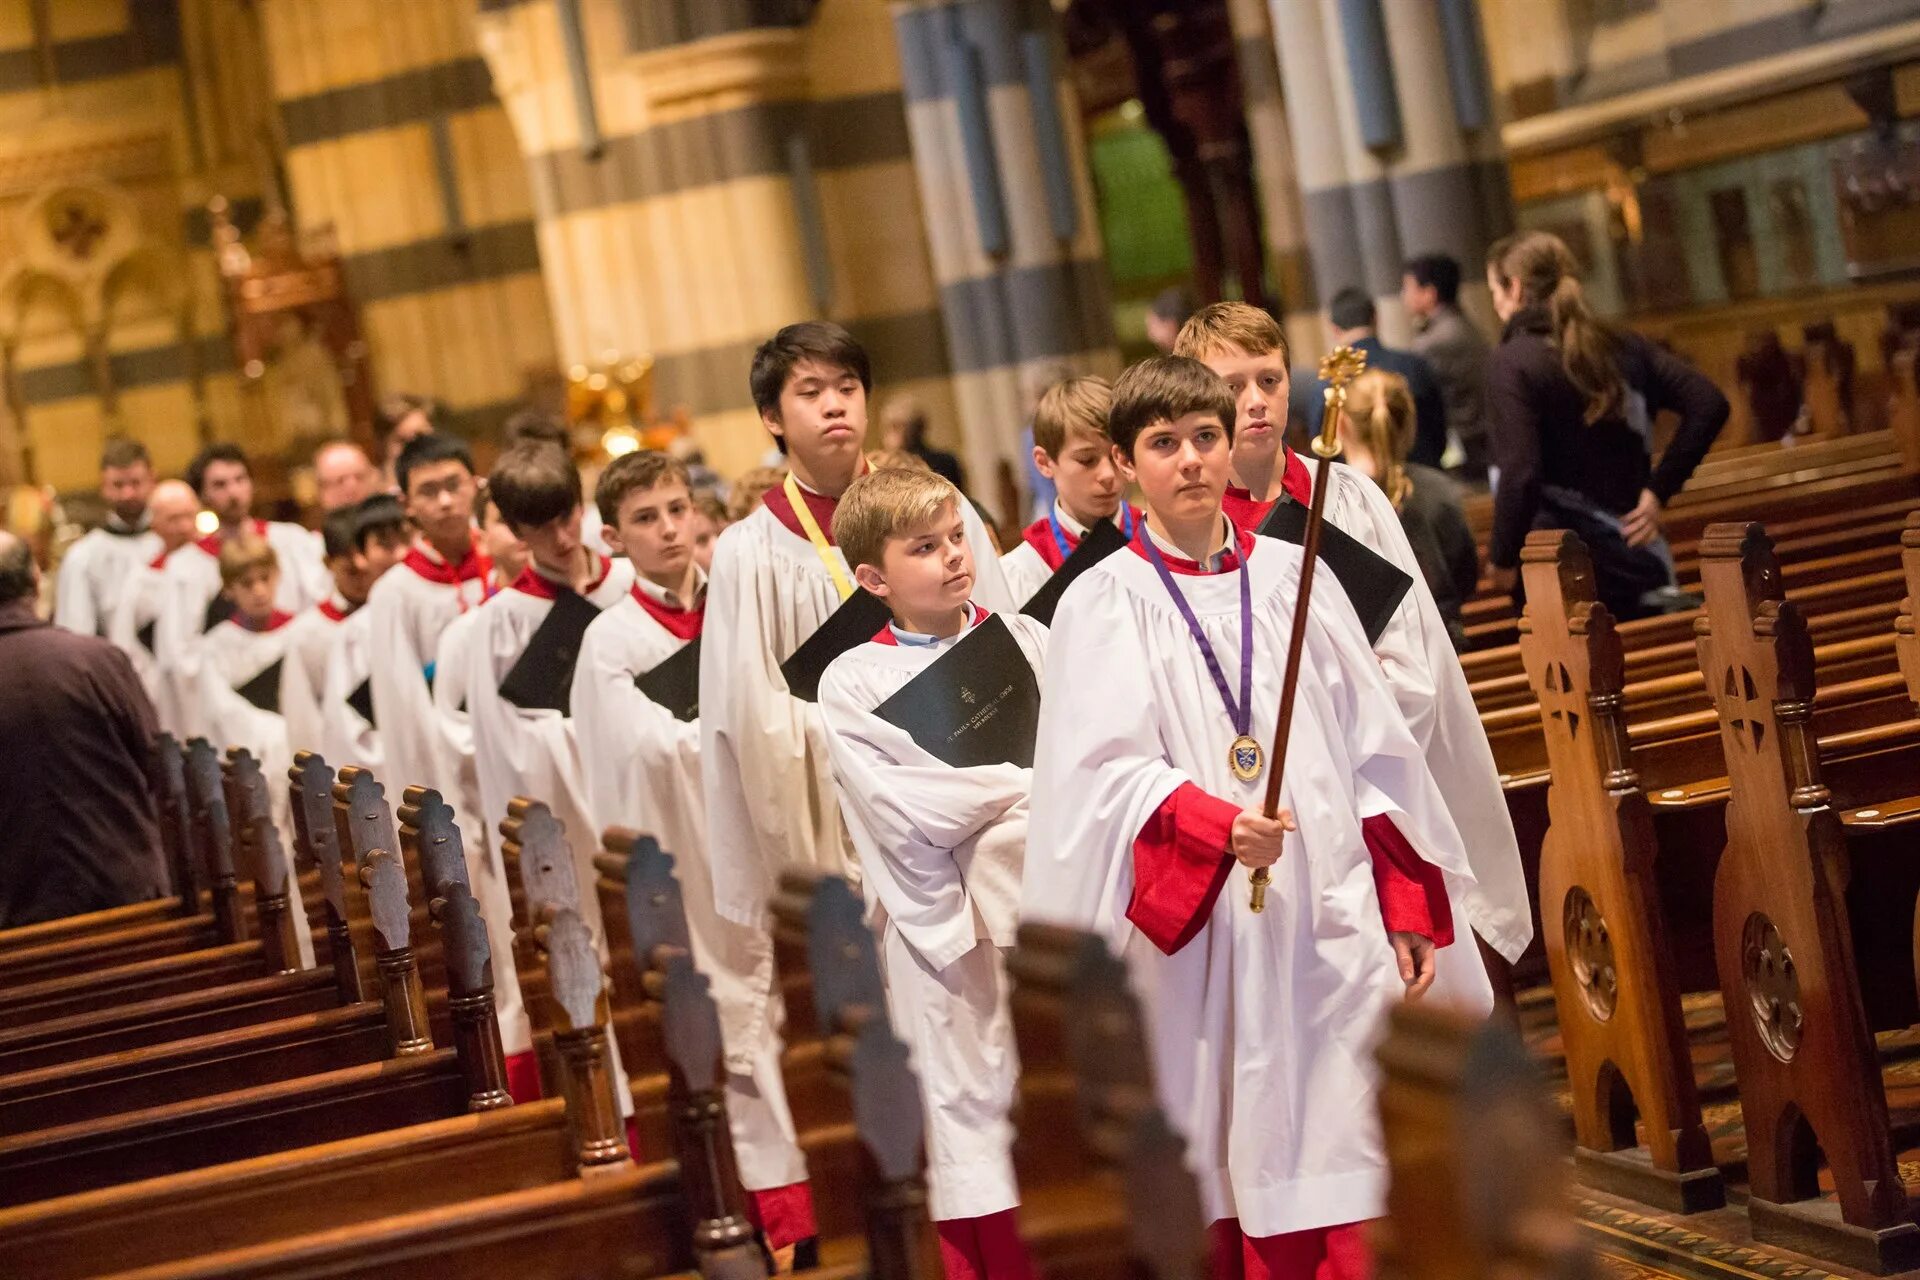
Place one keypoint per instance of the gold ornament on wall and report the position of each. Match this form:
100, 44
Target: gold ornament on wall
611, 404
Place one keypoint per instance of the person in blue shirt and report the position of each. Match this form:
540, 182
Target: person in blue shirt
1352, 317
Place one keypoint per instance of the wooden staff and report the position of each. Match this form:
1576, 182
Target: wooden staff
1342, 365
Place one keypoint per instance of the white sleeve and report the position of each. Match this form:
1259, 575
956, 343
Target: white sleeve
346, 738
989, 583
73, 604
629, 744
402, 702
299, 699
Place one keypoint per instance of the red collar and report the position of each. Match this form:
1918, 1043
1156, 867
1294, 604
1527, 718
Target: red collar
212, 542
1243, 538
333, 612
885, 634
543, 588
1247, 511
473, 565
820, 504
682, 624
159, 561
275, 621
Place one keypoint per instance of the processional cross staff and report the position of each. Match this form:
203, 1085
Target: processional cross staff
1342, 366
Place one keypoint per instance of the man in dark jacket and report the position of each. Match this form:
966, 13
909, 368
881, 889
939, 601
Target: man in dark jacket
77, 825
1352, 317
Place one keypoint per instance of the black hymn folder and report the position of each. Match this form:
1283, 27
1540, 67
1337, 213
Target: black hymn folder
977, 704
219, 609
854, 622
1102, 540
263, 691
1374, 584
675, 683
145, 636
542, 677
361, 700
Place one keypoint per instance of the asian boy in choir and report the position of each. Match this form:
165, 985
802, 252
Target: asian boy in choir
443, 576
1246, 347
362, 542
1070, 448
526, 747
222, 477
242, 659
940, 850
1162, 690
135, 612
634, 716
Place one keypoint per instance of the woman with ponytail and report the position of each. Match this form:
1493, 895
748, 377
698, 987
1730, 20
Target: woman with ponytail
1375, 430
1570, 408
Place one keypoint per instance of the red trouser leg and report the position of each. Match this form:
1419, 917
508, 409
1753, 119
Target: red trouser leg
1320, 1253
784, 1214
523, 1076
984, 1248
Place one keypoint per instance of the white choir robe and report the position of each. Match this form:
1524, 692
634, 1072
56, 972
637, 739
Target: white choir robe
231, 655
194, 581
345, 735
1038, 557
764, 764
95, 571
940, 853
641, 766
1428, 683
1262, 1026
143, 595
303, 676
518, 752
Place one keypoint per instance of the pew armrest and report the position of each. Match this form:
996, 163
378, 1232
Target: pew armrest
1888, 814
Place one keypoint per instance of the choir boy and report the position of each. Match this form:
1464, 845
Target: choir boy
709, 522
1246, 347
223, 478
1162, 689
635, 709
96, 568
776, 577
1070, 448
517, 677
940, 823
134, 615
362, 542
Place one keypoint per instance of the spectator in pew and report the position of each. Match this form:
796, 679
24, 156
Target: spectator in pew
1453, 345
1374, 430
1570, 403
76, 731
1354, 320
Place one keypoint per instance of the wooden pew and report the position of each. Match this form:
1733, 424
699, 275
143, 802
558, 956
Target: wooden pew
1603, 928
1809, 1080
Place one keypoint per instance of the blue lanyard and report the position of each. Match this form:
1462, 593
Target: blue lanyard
1060, 535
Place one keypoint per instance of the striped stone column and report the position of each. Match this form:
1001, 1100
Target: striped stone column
395, 138
1009, 208
704, 174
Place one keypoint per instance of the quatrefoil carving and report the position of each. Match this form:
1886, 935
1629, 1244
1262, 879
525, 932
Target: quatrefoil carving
1742, 702
1773, 987
1590, 953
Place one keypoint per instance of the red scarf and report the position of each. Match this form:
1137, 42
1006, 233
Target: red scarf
1247, 511
333, 612
1039, 536
472, 565
681, 624
212, 542
885, 634
542, 588
823, 507
1229, 561
275, 621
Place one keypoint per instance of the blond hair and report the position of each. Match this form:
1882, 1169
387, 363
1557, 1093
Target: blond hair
751, 489
883, 504
1540, 263
241, 556
1380, 416
1077, 404
1220, 325
899, 459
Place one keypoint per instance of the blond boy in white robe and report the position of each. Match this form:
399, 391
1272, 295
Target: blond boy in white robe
940, 849
1070, 448
1162, 690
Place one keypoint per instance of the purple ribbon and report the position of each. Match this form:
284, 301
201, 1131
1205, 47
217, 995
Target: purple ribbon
1241, 714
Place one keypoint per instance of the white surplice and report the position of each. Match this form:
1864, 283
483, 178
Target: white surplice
193, 574
1024, 571
1262, 1026
311, 638
642, 770
518, 752
94, 574
1431, 688
940, 852
230, 656
345, 735
143, 594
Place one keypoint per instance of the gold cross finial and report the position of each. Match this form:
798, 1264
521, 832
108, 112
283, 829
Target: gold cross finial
1342, 365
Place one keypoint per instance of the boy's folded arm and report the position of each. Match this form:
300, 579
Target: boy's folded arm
1181, 860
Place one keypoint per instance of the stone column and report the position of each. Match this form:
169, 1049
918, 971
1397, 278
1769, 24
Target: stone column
703, 175
1275, 173
1009, 209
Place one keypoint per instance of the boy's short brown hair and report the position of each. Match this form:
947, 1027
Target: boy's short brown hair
641, 469
880, 504
1220, 325
534, 483
1164, 389
708, 504
1077, 404
241, 556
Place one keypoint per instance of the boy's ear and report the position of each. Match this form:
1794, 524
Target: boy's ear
1043, 462
770, 419
870, 577
610, 535
1124, 463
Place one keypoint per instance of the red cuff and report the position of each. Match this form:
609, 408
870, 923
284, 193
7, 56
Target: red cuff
784, 1215
1180, 862
1413, 892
